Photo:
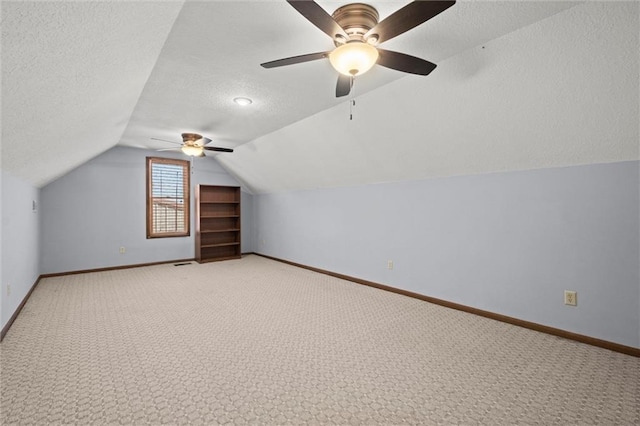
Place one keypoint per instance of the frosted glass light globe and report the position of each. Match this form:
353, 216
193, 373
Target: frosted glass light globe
191, 150
353, 58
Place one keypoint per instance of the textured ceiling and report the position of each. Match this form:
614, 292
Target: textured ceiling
72, 72
82, 77
214, 50
564, 91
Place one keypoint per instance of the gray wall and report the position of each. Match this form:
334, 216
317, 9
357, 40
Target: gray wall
509, 243
20, 243
89, 213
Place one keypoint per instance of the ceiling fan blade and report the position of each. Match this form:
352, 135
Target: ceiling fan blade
218, 149
295, 60
343, 87
206, 141
164, 140
407, 17
318, 17
405, 63
168, 149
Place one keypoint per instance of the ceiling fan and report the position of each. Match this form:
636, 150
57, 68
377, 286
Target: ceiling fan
356, 32
193, 145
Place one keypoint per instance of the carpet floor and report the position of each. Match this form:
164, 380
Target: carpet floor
254, 341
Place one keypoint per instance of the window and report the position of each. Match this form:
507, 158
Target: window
167, 197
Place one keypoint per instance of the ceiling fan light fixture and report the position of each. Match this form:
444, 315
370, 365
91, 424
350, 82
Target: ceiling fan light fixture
192, 150
353, 58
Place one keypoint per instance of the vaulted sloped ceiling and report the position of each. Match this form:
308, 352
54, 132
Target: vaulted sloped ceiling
72, 72
563, 91
519, 85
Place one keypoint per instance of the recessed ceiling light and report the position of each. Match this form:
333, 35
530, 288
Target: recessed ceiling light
243, 101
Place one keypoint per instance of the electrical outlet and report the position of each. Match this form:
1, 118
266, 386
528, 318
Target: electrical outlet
570, 298
123, 250
389, 264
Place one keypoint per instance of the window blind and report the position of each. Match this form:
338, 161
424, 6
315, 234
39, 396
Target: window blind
167, 203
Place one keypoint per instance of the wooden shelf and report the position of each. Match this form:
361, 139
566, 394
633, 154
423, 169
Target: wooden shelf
217, 259
212, 231
219, 202
219, 245
217, 223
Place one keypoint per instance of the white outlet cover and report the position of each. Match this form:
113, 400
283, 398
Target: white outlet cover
570, 298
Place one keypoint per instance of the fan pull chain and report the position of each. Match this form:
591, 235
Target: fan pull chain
352, 102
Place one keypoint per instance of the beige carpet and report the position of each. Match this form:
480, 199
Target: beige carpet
254, 341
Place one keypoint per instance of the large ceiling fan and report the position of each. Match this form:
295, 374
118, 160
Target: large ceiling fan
193, 145
356, 32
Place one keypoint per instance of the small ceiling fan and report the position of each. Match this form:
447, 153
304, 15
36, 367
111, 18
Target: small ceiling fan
356, 32
193, 145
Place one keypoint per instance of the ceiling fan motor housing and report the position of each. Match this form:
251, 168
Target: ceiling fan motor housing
356, 32
191, 138
356, 19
